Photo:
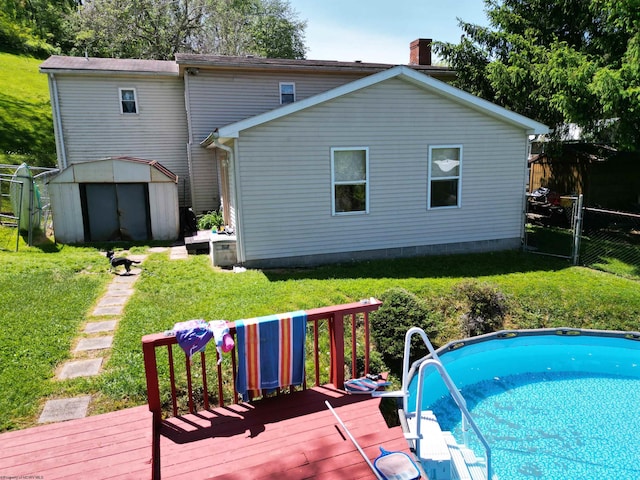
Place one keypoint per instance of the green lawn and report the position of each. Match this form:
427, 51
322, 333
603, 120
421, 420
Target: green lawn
47, 293
26, 127
44, 298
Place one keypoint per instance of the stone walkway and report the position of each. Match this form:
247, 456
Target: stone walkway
96, 338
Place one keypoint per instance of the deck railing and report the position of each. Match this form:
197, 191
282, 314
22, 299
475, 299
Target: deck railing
166, 377
186, 385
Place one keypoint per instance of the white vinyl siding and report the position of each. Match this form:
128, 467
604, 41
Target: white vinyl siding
220, 98
94, 127
283, 175
445, 176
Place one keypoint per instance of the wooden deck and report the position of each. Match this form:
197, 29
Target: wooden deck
287, 437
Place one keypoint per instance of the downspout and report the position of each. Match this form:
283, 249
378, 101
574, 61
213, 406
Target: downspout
231, 157
57, 122
187, 105
525, 182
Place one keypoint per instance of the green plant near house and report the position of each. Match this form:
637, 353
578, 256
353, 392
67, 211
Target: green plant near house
211, 220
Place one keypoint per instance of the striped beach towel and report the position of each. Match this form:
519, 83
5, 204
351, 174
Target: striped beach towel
271, 352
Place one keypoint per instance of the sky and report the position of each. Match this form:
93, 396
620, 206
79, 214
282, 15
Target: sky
380, 31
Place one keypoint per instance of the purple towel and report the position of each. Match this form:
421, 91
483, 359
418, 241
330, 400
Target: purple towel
192, 336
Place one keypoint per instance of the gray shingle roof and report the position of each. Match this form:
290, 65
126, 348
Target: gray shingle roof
124, 65
249, 62
57, 63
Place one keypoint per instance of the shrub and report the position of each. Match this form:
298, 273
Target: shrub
399, 311
486, 308
210, 220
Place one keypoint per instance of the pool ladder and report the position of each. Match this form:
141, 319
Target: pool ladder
425, 420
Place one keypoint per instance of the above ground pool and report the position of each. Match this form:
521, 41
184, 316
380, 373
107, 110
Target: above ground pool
552, 404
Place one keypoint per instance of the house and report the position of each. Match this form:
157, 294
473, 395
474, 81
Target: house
311, 161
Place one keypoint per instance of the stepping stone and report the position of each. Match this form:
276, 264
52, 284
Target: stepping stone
80, 368
127, 280
157, 249
108, 311
122, 273
178, 253
97, 343
110, 300
65, 409
120, 289
95, 327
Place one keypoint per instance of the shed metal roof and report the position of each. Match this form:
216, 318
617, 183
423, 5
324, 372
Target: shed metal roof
69, 175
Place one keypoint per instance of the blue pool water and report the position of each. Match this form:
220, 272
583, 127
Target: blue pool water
551, 407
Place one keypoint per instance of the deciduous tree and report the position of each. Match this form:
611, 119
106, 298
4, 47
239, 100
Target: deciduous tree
161, 28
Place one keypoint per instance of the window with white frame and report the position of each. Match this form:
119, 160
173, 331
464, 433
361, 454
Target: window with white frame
445, 174
287, 92
128, 100
350, 180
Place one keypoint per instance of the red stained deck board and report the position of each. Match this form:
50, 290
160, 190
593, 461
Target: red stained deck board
262, 433
53, 431
81, 459
51, 442
287, 437
81, 444
288, 432
327, 461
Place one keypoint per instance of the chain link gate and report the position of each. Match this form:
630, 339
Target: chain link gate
8, 217
553, 225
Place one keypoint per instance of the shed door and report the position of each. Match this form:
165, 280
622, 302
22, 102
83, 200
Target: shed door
115, 211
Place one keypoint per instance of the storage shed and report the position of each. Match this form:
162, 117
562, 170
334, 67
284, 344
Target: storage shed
115, 198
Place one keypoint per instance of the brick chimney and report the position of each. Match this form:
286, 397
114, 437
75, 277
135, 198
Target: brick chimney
420, 52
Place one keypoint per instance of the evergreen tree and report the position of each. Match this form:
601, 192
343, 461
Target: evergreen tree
559, 62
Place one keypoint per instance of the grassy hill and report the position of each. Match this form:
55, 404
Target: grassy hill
26, 127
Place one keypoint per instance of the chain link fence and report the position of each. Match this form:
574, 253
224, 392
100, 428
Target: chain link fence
13, 190
605, 240
610, 241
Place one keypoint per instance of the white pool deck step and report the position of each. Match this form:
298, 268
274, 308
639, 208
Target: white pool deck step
466, 465
441, 457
